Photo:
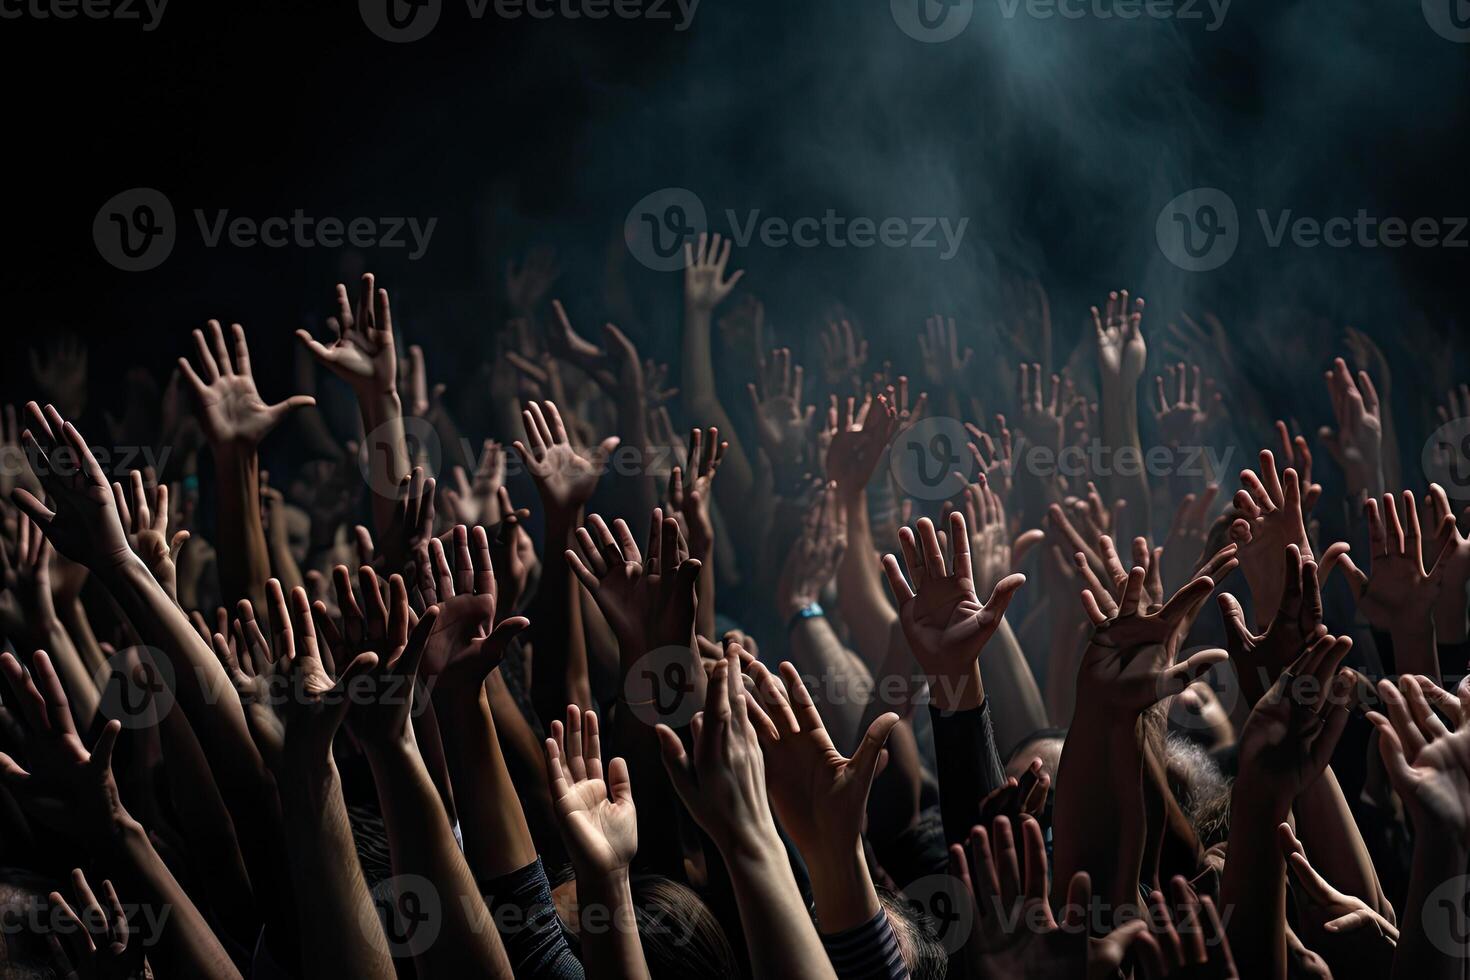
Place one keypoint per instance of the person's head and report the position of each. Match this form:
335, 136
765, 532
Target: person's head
1044, 744
1201, 788
23, 904
917, 934
681, 936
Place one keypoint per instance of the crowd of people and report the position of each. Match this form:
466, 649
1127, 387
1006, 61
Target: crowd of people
598, 672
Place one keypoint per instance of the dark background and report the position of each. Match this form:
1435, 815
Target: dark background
1059, 140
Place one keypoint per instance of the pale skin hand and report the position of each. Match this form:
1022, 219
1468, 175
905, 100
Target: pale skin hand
1270, 518
1454, 567
723, 786
1351, 936
943, 619
565, 477
1357, 442
362, 352
147, 523
1399, 593
1015, 933
230, 408
94, 943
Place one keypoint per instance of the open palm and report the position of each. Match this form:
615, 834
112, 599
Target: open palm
598, 821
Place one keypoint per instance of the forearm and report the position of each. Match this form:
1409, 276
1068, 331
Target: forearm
840, 684
1336, 849
1087, 835
497, 839
421, 843
74, 618
779, 933
1254, 886
79, 682
1414, 649
332, 895
1120, 433
609, 929
701, 400
969, 767
842, 888
559, 676
186, 946
1438, 858
244, 558
864, 605
387, 448
704, 613
1015, 699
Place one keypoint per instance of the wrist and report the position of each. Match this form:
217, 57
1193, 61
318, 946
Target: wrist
956, 691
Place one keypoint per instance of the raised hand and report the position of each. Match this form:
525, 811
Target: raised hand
1357, 443
844, 352
1129, 663
61, 373
383, 701
1121, 352
813, 559
477, 502
1398, 593
1185, 406
723, 783
1186, 945
690, 489
362, 352
858, 440
147, 524
993, 554
1184, 546
1428, 765
467, 642
86, 526
94, 943
60, 776
598, 821
1041, 419
1353, 938
613, 570
783, 423
565, 477
230, 409
705, 282
945, 367
1260, 658
943, 619
1454, 571
411, 522
1290, 735
1296, 454
820, 797
1270, 509
1015, 933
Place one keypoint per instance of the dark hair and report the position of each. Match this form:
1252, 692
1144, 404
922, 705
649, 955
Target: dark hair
918, 937
681, 936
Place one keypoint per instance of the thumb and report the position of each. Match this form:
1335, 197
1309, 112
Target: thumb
1234, 617
1024, 543
865, 760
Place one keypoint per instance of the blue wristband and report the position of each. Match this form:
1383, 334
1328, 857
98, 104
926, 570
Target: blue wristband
811, 610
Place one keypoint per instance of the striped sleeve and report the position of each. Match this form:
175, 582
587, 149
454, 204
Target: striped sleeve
866, 952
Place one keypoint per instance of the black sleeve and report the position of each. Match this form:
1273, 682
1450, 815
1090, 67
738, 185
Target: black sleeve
969, 766
521, 905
